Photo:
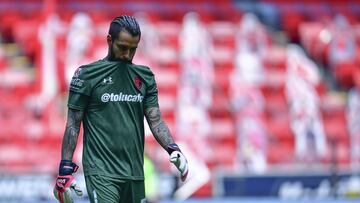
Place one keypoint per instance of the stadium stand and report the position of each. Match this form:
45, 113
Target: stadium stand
31, 129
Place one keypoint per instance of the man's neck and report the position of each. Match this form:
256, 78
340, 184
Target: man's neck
109, 58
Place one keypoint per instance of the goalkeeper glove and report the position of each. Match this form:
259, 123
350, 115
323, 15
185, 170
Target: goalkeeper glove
65, 182
178, 159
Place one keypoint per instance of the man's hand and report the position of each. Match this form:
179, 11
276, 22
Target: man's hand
65, 182
178, 159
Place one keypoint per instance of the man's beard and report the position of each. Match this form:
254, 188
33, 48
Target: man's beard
112, 56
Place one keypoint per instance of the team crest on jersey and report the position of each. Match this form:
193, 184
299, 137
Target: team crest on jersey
138, 82
77, 72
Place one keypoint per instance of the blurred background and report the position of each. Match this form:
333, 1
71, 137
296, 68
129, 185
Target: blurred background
262, 96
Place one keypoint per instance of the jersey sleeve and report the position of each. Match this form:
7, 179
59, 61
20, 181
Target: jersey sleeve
80, 90
151, 98
77, 101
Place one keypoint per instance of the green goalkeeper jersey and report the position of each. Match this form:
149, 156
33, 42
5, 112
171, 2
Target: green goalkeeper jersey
113, 95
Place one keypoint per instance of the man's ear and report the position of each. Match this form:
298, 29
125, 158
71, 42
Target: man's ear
109, 39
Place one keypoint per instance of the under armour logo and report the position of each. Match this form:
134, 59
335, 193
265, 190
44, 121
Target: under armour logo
108, 81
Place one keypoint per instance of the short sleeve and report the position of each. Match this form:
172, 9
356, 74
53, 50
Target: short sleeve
151, 98
78, 101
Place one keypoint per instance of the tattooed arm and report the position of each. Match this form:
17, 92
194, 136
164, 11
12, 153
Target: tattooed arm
158, 127
65, 180
71, 134
162, 135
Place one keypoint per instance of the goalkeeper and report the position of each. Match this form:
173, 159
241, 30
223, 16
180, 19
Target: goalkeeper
111, 97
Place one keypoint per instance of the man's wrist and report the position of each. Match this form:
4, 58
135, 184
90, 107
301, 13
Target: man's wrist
67, 167
172, 147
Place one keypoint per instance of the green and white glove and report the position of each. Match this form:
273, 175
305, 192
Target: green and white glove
179, 160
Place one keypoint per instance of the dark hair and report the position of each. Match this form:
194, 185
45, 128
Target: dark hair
124, 22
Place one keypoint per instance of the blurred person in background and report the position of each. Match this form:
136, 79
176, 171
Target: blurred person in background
353, 121
342, 51
195, 93
246, 99
342, 47
194, 101
251, 46
151, 180
78, 41
248, 106
50, 80
304, 102
151, 41
111, 97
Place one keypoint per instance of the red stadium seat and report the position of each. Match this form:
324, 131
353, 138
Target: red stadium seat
343, 73
275, 59
278, 127
335, 127
280, 153
290, 20
274, 95
223, 130
222, 78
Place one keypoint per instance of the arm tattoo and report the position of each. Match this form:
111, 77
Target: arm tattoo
158, 127
71, 134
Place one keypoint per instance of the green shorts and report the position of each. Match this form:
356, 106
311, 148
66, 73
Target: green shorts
112, 190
